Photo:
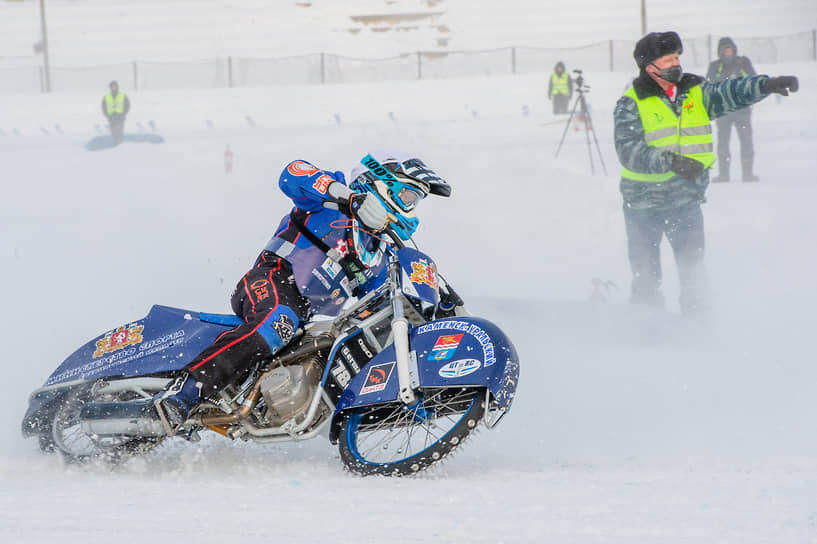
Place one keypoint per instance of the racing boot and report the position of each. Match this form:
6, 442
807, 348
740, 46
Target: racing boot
175, 403
748, 175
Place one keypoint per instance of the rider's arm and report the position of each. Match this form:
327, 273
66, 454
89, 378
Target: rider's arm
309, 187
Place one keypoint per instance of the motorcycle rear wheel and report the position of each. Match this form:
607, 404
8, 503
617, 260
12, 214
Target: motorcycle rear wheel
395, 439
65, 435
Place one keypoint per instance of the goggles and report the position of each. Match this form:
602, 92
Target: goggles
407, 197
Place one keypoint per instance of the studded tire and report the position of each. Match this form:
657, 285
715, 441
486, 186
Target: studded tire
396, 440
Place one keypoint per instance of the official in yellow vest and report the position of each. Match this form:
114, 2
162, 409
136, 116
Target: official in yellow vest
560, 88
663, 139
115, 106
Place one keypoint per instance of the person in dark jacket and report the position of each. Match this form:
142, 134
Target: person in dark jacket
560, 88
115, 107
663, 139
729, 66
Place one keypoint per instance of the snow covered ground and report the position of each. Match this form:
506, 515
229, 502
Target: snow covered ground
626, 428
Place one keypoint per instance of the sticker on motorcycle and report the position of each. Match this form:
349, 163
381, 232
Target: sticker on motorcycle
424, 272
445, 347
377, 378
341, 374
121, 338
459, 368
473, 330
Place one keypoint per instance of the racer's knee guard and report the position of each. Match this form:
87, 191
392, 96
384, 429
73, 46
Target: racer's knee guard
279, 327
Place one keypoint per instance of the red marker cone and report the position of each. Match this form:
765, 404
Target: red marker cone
228, 160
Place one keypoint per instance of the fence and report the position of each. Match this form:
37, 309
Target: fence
610, 55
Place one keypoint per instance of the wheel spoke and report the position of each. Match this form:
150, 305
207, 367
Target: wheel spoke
401, 433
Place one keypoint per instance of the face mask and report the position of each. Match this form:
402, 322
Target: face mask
672, 74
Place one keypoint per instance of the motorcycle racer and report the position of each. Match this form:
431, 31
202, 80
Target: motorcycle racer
325, 251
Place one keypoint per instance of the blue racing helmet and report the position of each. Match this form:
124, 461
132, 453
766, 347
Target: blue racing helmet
400, 182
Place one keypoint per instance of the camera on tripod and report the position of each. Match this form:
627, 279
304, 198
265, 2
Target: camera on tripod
584, 116
580, 86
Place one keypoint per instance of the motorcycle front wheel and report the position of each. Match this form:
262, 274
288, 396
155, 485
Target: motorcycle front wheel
396, 439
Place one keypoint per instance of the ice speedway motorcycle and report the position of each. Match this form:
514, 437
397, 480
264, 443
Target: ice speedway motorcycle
397, 390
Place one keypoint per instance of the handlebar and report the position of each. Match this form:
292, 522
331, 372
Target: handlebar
393, 235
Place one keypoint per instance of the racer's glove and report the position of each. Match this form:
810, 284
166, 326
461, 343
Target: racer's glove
782, 85
368, 209
365, 207
686, 167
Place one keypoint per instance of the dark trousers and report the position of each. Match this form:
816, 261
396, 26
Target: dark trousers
742, 121
268, 300
560, 103
684, 229
116, 122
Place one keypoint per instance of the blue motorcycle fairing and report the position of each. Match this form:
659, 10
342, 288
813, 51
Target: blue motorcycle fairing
419, 275
41, 404
451, 352
165, 340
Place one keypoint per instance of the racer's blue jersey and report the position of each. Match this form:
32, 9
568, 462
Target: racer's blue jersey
320, 278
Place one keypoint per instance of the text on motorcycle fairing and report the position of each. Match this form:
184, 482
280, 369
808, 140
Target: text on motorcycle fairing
116, 359
469, 328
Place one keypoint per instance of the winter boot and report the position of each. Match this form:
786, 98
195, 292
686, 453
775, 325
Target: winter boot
747, 170
723, 171
175, 403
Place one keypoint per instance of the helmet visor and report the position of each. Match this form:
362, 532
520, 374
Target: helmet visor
408, 197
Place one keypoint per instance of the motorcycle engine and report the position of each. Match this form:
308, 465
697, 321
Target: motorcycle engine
288, 390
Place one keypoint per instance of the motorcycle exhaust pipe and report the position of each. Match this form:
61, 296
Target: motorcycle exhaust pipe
228, 419
120, 418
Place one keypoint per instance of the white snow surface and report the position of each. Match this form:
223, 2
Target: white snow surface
626, 428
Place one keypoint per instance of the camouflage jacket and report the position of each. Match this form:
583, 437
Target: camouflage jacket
633, 152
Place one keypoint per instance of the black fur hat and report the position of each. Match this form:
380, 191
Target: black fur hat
655, 45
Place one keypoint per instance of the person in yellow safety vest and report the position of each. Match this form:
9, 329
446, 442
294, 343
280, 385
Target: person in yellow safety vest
729, 66
115, 106
663, 139
560, 88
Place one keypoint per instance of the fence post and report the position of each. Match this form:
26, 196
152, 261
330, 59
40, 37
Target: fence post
42, 79
323, 68
814, 42
419, 66
230, 71
709, 48
135, 77
513, 59
611, 55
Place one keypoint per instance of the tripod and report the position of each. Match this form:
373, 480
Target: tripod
588, 124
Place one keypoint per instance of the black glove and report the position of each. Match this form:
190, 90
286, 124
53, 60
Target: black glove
782, 85
686, 167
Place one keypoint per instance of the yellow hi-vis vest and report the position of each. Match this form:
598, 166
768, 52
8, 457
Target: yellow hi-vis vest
559, 84
690, 135
115, 105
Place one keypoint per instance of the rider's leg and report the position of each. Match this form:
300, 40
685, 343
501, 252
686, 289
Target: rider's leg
272, 308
